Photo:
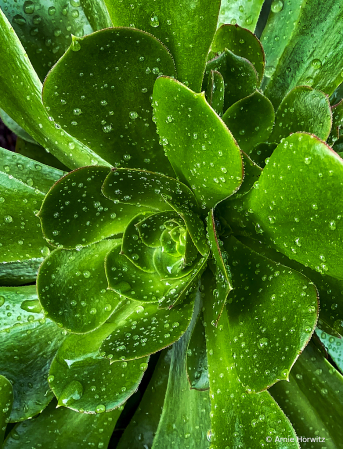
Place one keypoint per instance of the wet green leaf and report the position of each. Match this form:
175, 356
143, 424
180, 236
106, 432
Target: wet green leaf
240, 12
196, 361
303, 109
84, 381
97, 14
337, 122
72, 287
44, 28
26, 351
196, 144
112, 116
21, 100
313, 399
291, 42
241, 42
304, 221
240, 76
250, 120
186, 28
75, 213
143, 425
148, 330
215, 91
235, 414
15, 128
45, 429
6, 400
272, 312
333, 346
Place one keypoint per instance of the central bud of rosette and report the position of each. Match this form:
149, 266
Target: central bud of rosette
120, 234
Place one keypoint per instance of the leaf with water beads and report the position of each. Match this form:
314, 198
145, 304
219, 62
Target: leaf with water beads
148, 330
302, 109
235, 414
26, 350
241, 42
84, 381
215, 91
337, 122
196, 358
240, 76
272, 312
72, 287
114, 115
6, 400
92, 430
313, 397
200, 148
334, 347
298, 212
75, 213
240, 12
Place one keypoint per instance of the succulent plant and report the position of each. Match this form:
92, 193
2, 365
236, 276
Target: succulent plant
173, 206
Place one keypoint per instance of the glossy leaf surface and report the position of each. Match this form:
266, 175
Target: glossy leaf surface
215, 91
241, 42
337, 122
6, 400
186, 28
75, 213
196, 144
240, 12
313, 398
21, 99
250, 120
235, 414
304, 221
72, 287
196, 362
92, 430
97, 14
303, 109
84, 381
114, 116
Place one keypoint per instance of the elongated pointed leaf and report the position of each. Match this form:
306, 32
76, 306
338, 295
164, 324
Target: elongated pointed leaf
250, 120
199, 146
92, 430
237, 416
21, 100
313, 399
240, 12
83, 381
113, 118
303, 109
215, 91
337, 122
304, 219
72, 287
334, 347
97, 14
186, 28
295, 54
196, 362
75, 213
6, 400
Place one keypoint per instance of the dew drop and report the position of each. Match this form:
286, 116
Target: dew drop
277, 6
154, 21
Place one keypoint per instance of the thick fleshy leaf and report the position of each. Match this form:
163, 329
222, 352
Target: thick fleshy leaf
97, 14
148, 330
152, 191
196, 362
240, 76
14, 127
199, 146
262, 152
26, 351
241, 42
45, 429
272, 313
19, 273
313, 399
250, 120
237, 416
21, 100
6, 400
215, 91
84, 381
299, 211
251, 174
186, 28
72, 287
142, 428
75, 213
303, 109
240, 12
293, 55
337, 122
113, 117
185, 416
333, 346
44, 27
221, 269
337, 96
